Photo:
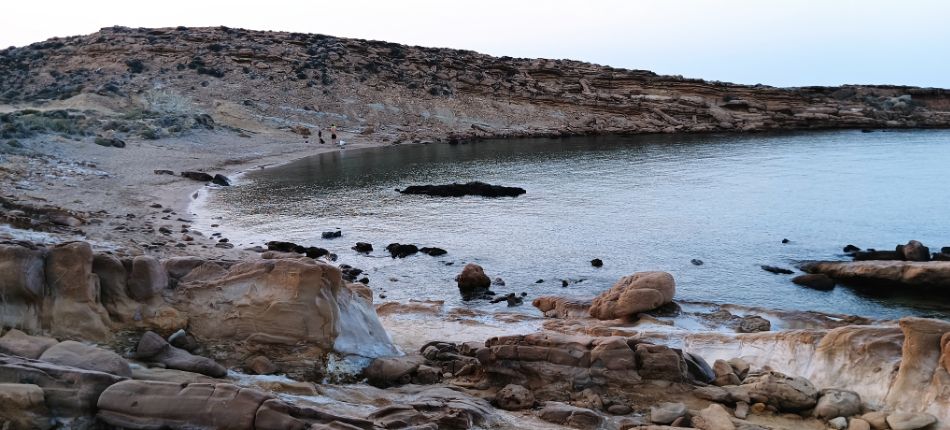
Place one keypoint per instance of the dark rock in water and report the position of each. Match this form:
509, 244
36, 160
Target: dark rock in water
467, 189
398, 250
597, 262
198, 176
473, 282
433, 251
667, 310
564, 283
163, 172
499, 282
181, 339
872, 254
276, 245
696, 262
363, 247
331, 234
914, 251
776, 270
364, 280
943, 256
850, 249
945, 250
785, 241
815, 281
350, 273
754, 324
315, 252
221, 180
539, 281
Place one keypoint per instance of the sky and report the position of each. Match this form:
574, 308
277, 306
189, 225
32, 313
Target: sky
773, 42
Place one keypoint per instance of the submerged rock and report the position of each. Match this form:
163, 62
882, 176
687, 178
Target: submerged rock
198, 176
398, 250
597, 262
363, 247
433, 251
467, 189
473, 282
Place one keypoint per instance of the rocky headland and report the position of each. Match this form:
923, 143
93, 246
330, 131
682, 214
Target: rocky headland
116, 312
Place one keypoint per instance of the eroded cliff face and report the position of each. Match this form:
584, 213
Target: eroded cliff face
393, 92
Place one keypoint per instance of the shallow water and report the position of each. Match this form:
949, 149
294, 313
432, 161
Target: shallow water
637, 202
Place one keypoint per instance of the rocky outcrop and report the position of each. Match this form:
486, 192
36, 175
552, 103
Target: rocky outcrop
73, 309
634, 294
75, 354
562, 307
16, 342
924, 276
468, 189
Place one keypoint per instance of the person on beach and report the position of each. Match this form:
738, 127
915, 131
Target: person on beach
332, 134
320, 136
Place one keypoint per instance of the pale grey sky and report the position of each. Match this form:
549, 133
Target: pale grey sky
775, 42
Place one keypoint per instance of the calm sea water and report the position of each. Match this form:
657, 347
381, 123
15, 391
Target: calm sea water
636, 202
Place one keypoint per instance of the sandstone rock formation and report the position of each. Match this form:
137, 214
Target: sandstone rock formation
75, 354
473, 282
933, 275
634, 294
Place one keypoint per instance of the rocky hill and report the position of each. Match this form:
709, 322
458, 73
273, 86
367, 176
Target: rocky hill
154, 83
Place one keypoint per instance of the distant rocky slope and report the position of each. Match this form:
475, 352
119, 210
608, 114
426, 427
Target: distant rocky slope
152, 83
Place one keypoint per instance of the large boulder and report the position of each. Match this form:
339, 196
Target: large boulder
909, 420
571, 416
22, 285
75, 354
473, 281
23, 407
815, 281
16, 342
154, 348
660, 362
786, 393
147, 278
281, 303
714, 417
666, 413
76, 312
68, 391
634, 294
389, 371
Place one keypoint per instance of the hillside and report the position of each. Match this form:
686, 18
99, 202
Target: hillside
154, 83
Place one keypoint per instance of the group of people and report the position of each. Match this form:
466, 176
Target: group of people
333, 138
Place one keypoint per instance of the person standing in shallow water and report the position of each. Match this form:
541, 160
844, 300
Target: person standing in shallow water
320, 136
332, 134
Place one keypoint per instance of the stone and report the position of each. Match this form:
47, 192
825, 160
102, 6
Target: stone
725, 375
571, 416
858, 424
914, 251
147, 278
698, 368
619, 409
815, 281
776, 270
714, 417
659, 362
260, 365
514, 397
713, 394
154, 404
837, 403
184, 340
754, 324
877, 420
631, 295
76, 312
331, 234
221, 180
839, 423
22, 286
154, 348
909, 420
473, 281
16, 342
666, 413
75, 354
433, 251
785, 393
740, 366
68, 391
22, 406
391, 371
597, 262
398, 250
742, 410
562, 307
363, 247
198, 176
